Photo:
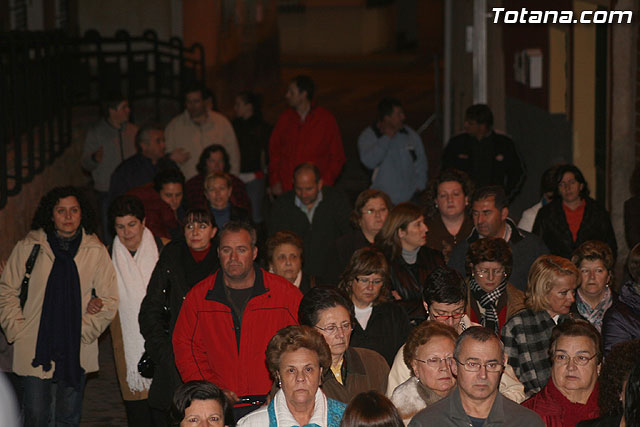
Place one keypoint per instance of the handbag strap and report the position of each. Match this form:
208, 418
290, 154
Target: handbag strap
31, 261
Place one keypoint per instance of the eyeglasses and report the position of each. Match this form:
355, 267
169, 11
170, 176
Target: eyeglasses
365, 281
484, 272
579, 360
435, 362
455, 316
332, 329
375, 211
473, 366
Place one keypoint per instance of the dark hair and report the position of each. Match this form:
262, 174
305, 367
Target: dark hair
237, 226
430, 195
305, 84
362, 200
199, 215
111, 101
576, 328
444, 285
633, 263
632, 398
478, 333
366, 261
281, 238
548, 180
199, 390
43, 218
619, 361
321, 298
168, 176
495, 191
253, 99
207, 93
371, 409
143, 133
201, 167
307, 166
386, 106
292, 338
480, 113
193, 87
125, 205
422, 334
489, 249
577, 174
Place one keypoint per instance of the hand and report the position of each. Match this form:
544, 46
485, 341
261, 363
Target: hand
94, 306
231, 396
98, 155
276, 189
179, 155
386, 129
396, 295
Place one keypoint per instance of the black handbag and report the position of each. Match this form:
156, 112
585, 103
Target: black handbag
146, 365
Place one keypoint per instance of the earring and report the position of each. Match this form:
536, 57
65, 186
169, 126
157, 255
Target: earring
279, 384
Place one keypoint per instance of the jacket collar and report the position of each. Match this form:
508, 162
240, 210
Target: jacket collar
516, 233
456, 410
217, 293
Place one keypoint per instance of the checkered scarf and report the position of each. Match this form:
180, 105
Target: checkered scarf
488, 301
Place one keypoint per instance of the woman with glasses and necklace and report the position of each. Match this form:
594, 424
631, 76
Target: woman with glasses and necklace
427, 354
549, 300
353, 370
445, 299
492, 299
571, 395
380, 325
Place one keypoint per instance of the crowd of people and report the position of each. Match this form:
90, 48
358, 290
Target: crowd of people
242, 288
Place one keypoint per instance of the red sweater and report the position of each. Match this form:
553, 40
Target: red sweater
557, 411
204, 339
316, 139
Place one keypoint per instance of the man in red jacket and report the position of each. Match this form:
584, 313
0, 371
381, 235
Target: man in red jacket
304, 133
227, 320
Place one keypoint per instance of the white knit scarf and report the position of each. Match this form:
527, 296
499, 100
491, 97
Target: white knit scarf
133, 275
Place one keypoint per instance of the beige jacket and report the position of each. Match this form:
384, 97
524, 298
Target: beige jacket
21, 326
182, 132
510, 386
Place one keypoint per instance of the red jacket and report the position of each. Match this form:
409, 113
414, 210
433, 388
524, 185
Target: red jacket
558, 411
159, 217
316, 139
204, 339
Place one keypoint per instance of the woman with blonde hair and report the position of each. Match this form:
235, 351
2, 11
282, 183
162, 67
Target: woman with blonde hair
549, 300
403, 240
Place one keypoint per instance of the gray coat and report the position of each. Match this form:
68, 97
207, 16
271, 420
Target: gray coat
449, 412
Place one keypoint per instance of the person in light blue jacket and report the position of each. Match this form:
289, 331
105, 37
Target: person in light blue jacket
394, 152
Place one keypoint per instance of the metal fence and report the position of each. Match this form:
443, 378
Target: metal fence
44, 74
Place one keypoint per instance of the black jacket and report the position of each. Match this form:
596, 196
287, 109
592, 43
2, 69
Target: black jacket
340, 255
492, 161
330, 221
387, 330
622, 321
551, 225
177, 272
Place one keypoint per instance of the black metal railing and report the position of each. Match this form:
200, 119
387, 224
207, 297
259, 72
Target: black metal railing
44, 74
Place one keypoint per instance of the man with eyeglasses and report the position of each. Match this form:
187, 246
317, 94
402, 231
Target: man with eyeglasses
394, 152
445, 300
478, 362
490, 214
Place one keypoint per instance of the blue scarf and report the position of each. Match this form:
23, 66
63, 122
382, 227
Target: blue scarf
61, 318
335, 409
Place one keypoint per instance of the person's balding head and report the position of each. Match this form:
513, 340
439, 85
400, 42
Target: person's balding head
307, 183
